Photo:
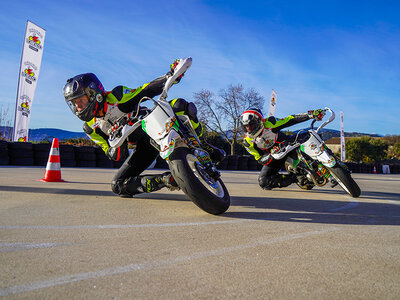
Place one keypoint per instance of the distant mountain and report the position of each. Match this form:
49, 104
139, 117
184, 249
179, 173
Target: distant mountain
326, 134
40, 134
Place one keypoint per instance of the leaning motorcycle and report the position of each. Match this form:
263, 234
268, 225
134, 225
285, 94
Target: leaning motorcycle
313, 162
174, 137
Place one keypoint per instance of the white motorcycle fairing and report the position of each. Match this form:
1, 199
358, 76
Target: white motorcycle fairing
159, 125
315, 148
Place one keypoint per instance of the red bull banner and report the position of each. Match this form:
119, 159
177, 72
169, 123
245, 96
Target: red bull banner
342, 142
272, 104
31, 58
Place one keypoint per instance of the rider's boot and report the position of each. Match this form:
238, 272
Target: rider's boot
169, 181
286, 180
152, 183
144, 184
276, 181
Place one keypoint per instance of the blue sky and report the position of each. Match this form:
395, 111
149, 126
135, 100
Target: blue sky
341, 54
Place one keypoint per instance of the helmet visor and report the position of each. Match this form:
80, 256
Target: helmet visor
78, 104
252, 126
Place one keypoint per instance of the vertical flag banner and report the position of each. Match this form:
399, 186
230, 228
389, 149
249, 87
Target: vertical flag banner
272, 104
31, 59
342, 142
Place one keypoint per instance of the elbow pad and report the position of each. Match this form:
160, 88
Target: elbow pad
87, 129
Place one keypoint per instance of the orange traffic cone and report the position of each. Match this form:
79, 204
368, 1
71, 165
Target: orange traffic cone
374, 170
53, 169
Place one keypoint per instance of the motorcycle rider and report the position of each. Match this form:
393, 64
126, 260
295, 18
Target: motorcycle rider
263, 137
100, 109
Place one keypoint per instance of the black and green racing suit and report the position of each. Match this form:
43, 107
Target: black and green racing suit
272, 138
120, 101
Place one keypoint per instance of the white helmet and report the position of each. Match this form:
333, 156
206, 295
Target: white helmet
252, 122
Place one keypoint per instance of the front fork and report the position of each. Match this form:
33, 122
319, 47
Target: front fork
193, 142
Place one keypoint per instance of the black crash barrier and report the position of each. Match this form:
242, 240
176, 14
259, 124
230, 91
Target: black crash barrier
36, 154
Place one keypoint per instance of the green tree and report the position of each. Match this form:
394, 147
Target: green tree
78, 142
379, 149
366, 149
396, 149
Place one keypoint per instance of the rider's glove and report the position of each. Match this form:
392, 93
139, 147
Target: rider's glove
118, 154
265, 159
316, 114
173, 67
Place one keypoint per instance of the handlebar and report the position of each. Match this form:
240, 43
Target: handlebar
331, 118
183, 65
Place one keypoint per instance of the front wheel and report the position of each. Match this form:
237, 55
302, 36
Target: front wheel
208, 194
344, 179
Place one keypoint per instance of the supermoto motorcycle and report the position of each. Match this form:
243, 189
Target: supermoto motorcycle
313, 162
174, 137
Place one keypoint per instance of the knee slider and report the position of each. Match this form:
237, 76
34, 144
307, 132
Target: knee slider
116, 186
120, 187
264, 182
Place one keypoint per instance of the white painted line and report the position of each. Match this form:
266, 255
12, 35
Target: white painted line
122, 226
153, 264
11, 247
352, 204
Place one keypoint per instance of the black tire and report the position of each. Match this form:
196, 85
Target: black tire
20, 146
243, 162
86, 163
186, 172
68, 163
4, 159
233, 162
3, 145
89, 156
223, 165
343, 177
41, 148
104, 163
21, 161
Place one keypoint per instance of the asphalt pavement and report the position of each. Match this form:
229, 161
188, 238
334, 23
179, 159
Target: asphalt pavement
77, 240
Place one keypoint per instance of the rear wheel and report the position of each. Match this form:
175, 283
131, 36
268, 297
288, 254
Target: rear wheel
343, 177
208, 194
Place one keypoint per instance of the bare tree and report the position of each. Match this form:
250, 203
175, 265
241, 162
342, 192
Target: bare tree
222, 115
5, 123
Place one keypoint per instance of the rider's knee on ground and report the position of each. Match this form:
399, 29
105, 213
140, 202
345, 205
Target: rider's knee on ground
264, 182
273, 181
117, 187
127, 187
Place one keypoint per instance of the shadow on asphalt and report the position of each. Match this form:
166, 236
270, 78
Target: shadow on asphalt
66, 191
49, 190
354, 212
364, 194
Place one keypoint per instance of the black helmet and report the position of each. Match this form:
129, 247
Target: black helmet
84, 84
253, 119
